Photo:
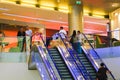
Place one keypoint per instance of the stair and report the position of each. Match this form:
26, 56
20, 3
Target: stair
89, 67
88, 70
60, 65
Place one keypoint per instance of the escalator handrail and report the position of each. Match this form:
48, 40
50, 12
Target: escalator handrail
81, 64
74, 58
53, 77
47, 64
52, 59
50, 55
89, 58
69, 65
40, 69
96, 54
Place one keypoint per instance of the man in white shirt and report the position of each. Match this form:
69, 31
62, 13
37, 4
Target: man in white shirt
80, 41
28, 34
80, 37
63, 33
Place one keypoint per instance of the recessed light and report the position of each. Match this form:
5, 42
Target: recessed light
115, 5
116, 14
58, 1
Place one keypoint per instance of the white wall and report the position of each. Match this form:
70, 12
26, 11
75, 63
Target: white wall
114, 65
111, 57
17, 71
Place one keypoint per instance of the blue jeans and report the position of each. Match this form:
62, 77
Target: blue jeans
77, 47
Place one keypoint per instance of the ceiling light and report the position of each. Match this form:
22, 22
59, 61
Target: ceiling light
98, 16
28, 5
29, 1
47, 7
58, 1
115, 5
63, 10
116, 14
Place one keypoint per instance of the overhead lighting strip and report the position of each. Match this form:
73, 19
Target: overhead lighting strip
4, 9
28, 17
95, 23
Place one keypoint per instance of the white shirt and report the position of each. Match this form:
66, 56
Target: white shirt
63, 33
80, 37
28, 32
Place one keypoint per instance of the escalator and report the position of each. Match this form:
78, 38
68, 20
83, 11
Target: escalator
86, 67
60, 65
89, 67
86, 61
39, 61
84, 64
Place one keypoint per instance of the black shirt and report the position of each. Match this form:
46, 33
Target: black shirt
21, 33
101, 74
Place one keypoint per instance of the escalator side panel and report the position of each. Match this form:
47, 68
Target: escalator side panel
41, 68
47, 64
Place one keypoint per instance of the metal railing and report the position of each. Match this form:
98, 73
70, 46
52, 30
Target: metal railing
93, 55
77, 63
73, 69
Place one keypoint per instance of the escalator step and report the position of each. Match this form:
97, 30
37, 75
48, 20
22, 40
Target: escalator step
60, 65
67, 79
63, 70
84, 60
91, 71
81, 54
59, 62
55, 54
88, 63
66, 76
56, 57
65, 73
59, 59
63, 67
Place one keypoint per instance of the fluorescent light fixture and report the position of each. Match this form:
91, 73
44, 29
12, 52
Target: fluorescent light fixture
28, 17
4, 9
115, 4
87, 14
116, 14
98, 16
7, 1
95, 23
29, 1
63, 10
63, 7
47, 7
29, 5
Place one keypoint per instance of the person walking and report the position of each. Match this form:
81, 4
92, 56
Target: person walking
101, 74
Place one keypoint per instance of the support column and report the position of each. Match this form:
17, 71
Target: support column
75, 16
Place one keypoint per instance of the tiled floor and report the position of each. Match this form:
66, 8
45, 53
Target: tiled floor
17, 71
